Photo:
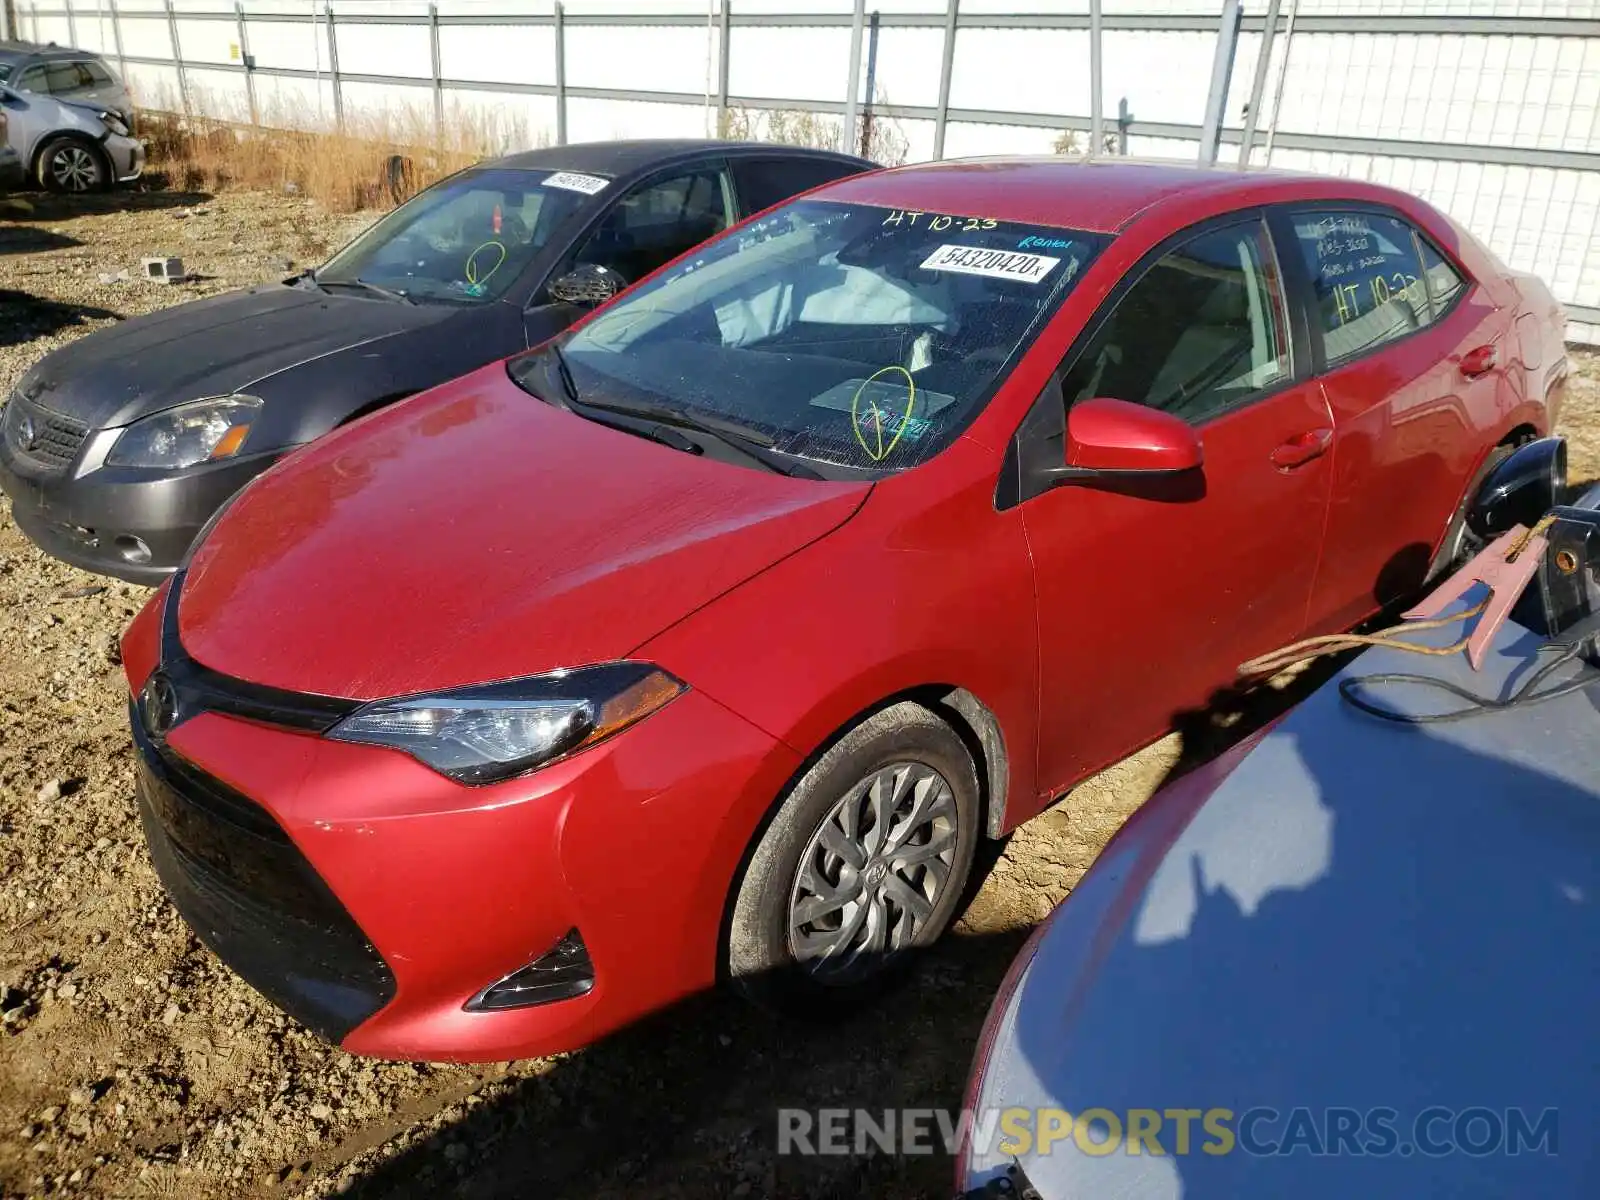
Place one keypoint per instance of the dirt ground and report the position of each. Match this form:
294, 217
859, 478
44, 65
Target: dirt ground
133, 1064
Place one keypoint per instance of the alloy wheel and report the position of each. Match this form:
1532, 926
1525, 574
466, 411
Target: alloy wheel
74, 168
873, 872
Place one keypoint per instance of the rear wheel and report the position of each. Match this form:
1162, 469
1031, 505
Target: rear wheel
1460, 543
72, 164
867, 859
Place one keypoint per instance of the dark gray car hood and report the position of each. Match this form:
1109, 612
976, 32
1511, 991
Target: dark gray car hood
213, 347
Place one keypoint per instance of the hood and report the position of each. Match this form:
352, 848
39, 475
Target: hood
474, 533
210, 347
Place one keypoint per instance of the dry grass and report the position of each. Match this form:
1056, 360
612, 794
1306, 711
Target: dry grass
887, 143
375, 160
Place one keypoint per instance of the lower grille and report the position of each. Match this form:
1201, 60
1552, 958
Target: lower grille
44, 438
254, 899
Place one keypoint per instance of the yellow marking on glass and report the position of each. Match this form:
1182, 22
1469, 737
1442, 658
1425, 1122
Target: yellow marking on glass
471, 269
882, 452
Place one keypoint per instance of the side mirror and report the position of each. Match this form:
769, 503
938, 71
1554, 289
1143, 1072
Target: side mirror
1520, 488
588, 284
1115, 439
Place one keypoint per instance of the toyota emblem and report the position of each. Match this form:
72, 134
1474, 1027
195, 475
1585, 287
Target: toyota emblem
159, 705
27, 435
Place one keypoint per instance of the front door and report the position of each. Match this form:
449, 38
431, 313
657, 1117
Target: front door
1148, 601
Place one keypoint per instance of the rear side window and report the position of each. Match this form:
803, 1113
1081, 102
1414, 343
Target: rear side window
763, 182
1201, 331
1367, 277
32, 80
1445, 284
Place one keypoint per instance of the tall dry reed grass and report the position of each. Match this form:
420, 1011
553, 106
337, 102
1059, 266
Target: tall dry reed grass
373, 160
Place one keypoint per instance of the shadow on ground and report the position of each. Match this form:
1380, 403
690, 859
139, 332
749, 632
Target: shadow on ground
29, 239
687, 1103
24, 317
50, 206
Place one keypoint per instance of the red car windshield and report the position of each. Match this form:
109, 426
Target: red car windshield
855, 337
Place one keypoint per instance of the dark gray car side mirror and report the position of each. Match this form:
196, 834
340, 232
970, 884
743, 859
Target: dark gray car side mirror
588, 284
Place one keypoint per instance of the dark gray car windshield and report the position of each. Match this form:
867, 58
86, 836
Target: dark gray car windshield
857, 337
465, 239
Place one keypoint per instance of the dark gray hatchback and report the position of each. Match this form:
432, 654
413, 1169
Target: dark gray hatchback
117, 449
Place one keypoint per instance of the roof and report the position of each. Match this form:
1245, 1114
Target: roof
1100, 195
17, 51
625, 157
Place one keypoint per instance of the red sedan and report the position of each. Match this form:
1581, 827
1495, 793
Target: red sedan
709, 639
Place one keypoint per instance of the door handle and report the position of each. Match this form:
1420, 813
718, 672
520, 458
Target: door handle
1479, 361
1302, 448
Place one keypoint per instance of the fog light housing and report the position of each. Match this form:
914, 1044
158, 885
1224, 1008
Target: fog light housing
563, 972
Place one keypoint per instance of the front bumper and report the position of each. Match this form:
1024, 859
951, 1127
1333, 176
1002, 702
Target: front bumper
127, 155
130, 523
633, 843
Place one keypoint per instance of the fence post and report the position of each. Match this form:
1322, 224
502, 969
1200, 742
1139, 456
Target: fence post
72, 25
1096, 117
5, 22
725, 24
116, 40
1221, 74
333, 72
561, 74
1259, 84
852, 102
1277, 87
438, 72
1124, 119
177, 58
872, 82
247, 62
947, 63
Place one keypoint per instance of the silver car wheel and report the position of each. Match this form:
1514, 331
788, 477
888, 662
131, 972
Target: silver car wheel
74, 168
873, 872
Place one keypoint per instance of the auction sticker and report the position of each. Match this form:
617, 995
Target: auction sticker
589, 185
996, 264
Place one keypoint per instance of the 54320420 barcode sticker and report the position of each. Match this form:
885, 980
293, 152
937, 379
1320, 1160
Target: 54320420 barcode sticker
996, 264
572, 181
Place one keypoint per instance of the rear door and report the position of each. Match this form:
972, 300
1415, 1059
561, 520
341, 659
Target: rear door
1148, 600
1412, 355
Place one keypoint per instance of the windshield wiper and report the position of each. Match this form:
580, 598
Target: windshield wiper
752, 443
568, 384
374, 288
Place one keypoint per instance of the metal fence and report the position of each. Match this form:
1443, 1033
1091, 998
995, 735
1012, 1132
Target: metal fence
1489, 110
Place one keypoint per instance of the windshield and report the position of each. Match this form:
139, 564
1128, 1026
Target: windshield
465, 239
860, 337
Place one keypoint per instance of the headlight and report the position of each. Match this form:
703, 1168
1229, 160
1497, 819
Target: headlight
114, 123
191, 433
489, 733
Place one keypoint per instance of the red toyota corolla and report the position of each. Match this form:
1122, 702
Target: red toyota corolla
708, 640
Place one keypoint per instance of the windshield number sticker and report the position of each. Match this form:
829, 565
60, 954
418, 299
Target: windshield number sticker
995, 264
572, 181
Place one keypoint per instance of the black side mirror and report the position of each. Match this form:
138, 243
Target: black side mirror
587, 284
1520, 488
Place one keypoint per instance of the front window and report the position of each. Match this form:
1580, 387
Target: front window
859, 338
5, 72
467, 239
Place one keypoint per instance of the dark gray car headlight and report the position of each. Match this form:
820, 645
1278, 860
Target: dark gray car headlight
196, 432
114, 123
484, 734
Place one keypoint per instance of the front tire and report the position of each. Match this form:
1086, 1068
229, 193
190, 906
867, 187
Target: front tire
73, 165
867, 859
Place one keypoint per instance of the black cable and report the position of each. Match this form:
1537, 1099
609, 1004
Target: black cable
1477, 705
